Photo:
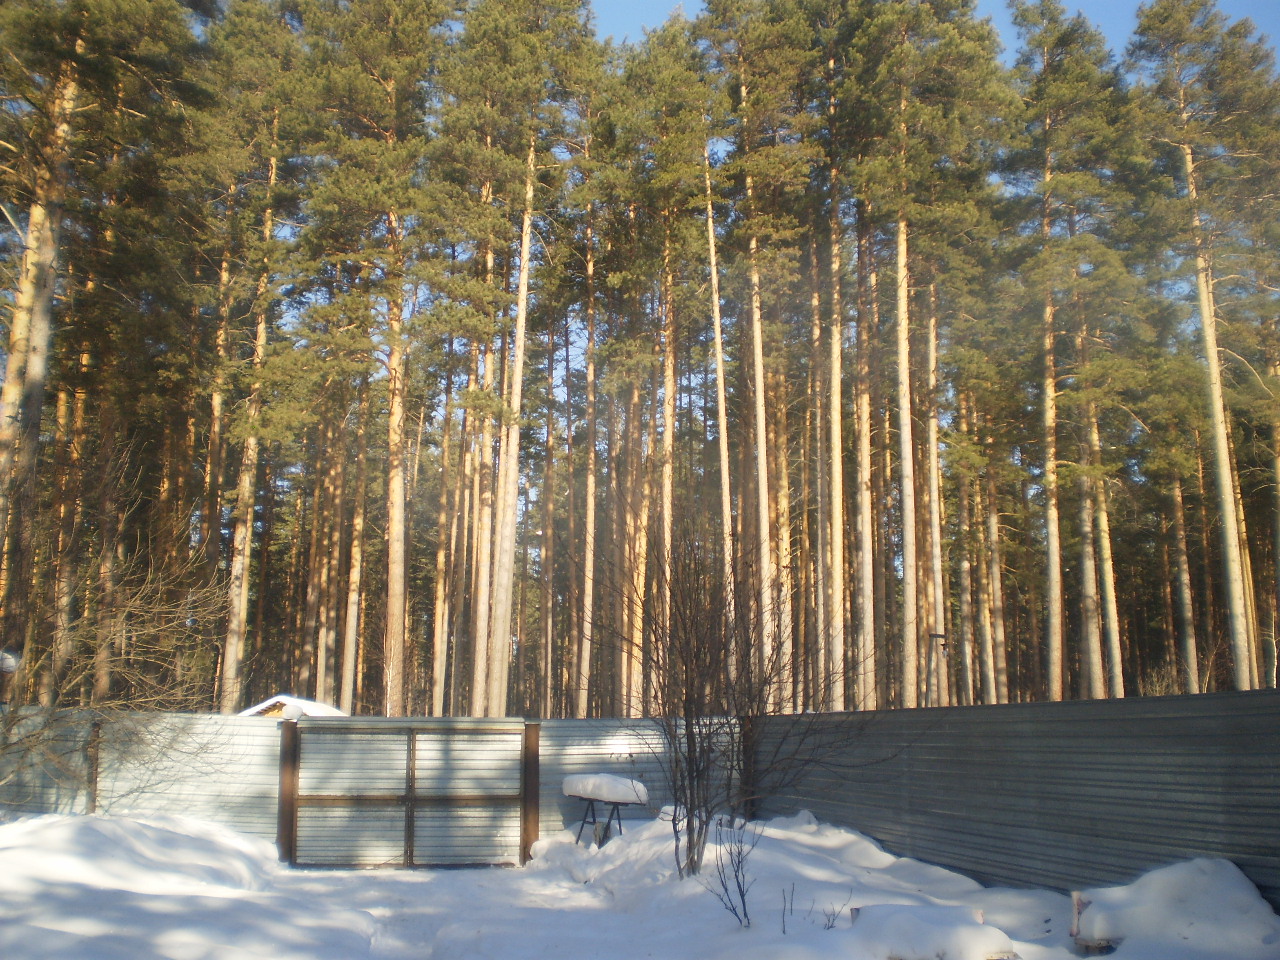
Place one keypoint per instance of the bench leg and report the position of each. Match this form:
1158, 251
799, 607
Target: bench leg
588, 816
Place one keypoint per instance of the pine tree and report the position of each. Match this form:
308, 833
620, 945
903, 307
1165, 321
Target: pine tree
1213, 99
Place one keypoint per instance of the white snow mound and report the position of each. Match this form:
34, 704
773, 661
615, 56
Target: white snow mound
1193, 910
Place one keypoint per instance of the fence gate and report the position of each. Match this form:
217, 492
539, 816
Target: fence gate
373, 791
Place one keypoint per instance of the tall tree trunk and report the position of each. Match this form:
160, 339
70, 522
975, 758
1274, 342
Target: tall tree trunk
767, 653
995, 578
939, 675
964, 538
780, 516
1233, 567
482, 537
666, 495
836, 669
906, 457
211, 521
394, 646
308, 667
246, 501
1055, 651
31, 316
326, 646
547, 604
509, 467
727, 557
986, 638
1271, 679
582, 669
1187, 633
811, 640
351, 635
1106, 564
864, 503
1093, 680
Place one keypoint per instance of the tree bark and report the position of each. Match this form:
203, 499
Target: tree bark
243, 514
394, 647
1233, 568
1106, 564
867, 600
1187, 633
722, 414
766, 655
582, 669
509, 468
351, 635
906, 458
31, 317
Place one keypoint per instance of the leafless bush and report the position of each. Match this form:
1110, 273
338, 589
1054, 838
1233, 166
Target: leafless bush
734, 843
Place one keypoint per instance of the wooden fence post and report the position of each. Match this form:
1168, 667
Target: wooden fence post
287, 815
530, 786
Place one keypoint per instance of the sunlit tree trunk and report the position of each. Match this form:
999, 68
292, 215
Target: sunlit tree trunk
722, 415
766, 655
245, 503
509, 467
1106, 564
837, 670
867, 601
351, 635
31, 316
906, 466
1233, 568
586, 615
939, 677
1187, 633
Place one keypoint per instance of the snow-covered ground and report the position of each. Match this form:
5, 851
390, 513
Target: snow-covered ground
93, 888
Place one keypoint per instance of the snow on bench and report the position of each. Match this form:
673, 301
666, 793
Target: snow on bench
606, 788
603, 788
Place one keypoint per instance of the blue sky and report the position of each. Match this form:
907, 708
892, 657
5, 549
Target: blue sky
628, 18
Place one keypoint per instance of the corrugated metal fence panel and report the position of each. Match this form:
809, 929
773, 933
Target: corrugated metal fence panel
1056, 794
44, 764
351, 836
445, 835
465, 762
349, 762
223, 769
363, 781
634, 749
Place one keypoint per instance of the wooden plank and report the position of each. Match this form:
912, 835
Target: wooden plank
287, 828
530, 785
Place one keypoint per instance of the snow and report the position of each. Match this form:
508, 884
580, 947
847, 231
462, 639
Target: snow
291, 708
605, 787
96, 888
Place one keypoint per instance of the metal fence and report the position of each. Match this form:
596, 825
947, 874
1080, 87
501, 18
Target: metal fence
1063, 795
224, 769
363, 791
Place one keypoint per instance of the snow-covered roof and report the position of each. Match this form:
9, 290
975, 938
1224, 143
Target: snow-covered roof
291, 708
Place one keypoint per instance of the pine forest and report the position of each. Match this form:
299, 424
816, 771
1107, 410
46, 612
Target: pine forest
433, 357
